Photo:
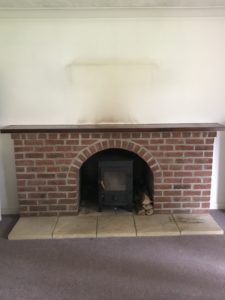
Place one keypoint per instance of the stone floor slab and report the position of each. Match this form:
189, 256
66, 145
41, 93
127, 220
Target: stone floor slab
30, 228
156, 225
116, 226
75, 227
203, 224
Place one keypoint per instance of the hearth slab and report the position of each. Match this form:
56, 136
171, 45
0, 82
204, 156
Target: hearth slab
156, 225
75, 227
116, 226
31, 228
197, 224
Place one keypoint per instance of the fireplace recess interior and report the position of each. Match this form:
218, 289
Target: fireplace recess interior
48, 160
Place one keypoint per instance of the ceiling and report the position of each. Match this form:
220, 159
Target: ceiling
98, 4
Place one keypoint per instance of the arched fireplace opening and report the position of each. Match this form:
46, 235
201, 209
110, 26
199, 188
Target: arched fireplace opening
116, 178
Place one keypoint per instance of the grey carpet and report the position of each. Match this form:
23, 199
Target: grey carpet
183, 267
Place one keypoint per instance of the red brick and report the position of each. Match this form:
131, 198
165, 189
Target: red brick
47, 201
176, 134
66, 188
182, 186
47, 188
182, 174
36, 195
202, 173
61, 175
135, 135
208, 154
16, 135
44, 149
201, 199
116, 135
212, 134
34, 155
145, 135
205, 205
56, 195
202, 186
31, 136
174, 154
192, 180
45, 175
184, 161
57, 182
142, 142
206, 180
209, 141
173, 180
204, 148
191, 193
35, 169
65, 201
206, 193
176, 167
172, 205
23, 149
44, 162
54, 155
172, 193
63, 161
25, 176
174, 141
42, 136
38, 208
166, 147
166, 134
181, 199
28, 202
57, 207
191, 205
156, 134
54, 142
193, 154
18, 142
163, 186
192, 167
72, 142
33, 142
186, 134
168, 174
195, 141
203, 161
184, 148
156, 141
36, 182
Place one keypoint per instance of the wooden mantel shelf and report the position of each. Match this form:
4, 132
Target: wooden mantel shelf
114, 128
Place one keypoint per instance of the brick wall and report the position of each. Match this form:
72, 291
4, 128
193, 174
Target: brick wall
47, 168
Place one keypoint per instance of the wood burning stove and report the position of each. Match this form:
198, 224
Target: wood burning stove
115, 184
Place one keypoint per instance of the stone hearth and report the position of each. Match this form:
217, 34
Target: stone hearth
48, 161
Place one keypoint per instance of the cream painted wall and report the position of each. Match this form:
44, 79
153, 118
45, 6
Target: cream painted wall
187, 84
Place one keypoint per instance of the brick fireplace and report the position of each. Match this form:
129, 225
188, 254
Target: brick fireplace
48, 161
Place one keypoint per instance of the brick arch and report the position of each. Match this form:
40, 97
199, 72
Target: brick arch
73, 173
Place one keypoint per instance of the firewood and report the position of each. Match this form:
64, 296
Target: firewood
149, 212
146, 207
